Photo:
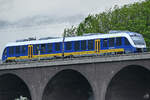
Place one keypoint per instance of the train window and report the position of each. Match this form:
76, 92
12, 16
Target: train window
111, 42
83, 45
118, 41
18, 50
11, 50
68, 45
57, 46
105, 42
23, 49
36, 49
90, 44
77, 45
126, 41
43, 48
50, 47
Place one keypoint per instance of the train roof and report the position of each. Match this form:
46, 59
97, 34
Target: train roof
76, 38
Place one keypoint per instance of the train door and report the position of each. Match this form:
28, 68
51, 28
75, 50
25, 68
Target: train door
97, 46
30, 51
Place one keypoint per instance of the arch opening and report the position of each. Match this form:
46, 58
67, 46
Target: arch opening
131, 83
12, 88
68, 85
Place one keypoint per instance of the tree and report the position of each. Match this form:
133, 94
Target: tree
132, 17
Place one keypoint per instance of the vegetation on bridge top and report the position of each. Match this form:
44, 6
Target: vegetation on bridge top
132, 17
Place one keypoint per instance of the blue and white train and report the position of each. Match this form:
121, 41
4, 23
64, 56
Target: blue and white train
91, 44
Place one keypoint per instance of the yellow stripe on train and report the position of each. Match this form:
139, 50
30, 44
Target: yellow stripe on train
67, 54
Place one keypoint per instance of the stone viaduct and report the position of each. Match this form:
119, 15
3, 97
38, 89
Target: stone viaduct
125, 77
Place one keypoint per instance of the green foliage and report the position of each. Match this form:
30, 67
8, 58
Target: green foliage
133, 17
70, 32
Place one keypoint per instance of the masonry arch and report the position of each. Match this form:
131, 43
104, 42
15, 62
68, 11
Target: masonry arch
130, 83
13, 87
68, 85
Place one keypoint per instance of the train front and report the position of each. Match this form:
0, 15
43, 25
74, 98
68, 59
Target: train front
139, 42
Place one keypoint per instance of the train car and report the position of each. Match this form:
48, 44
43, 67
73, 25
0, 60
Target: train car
91, 44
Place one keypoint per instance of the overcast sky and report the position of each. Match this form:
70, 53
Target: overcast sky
21, 19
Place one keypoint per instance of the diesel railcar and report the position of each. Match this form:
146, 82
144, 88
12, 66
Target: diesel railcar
90, 44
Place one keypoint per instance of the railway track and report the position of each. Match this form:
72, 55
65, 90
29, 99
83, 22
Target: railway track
75, 58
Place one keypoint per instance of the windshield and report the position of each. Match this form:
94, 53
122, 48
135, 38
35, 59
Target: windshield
138, 39
5, 52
